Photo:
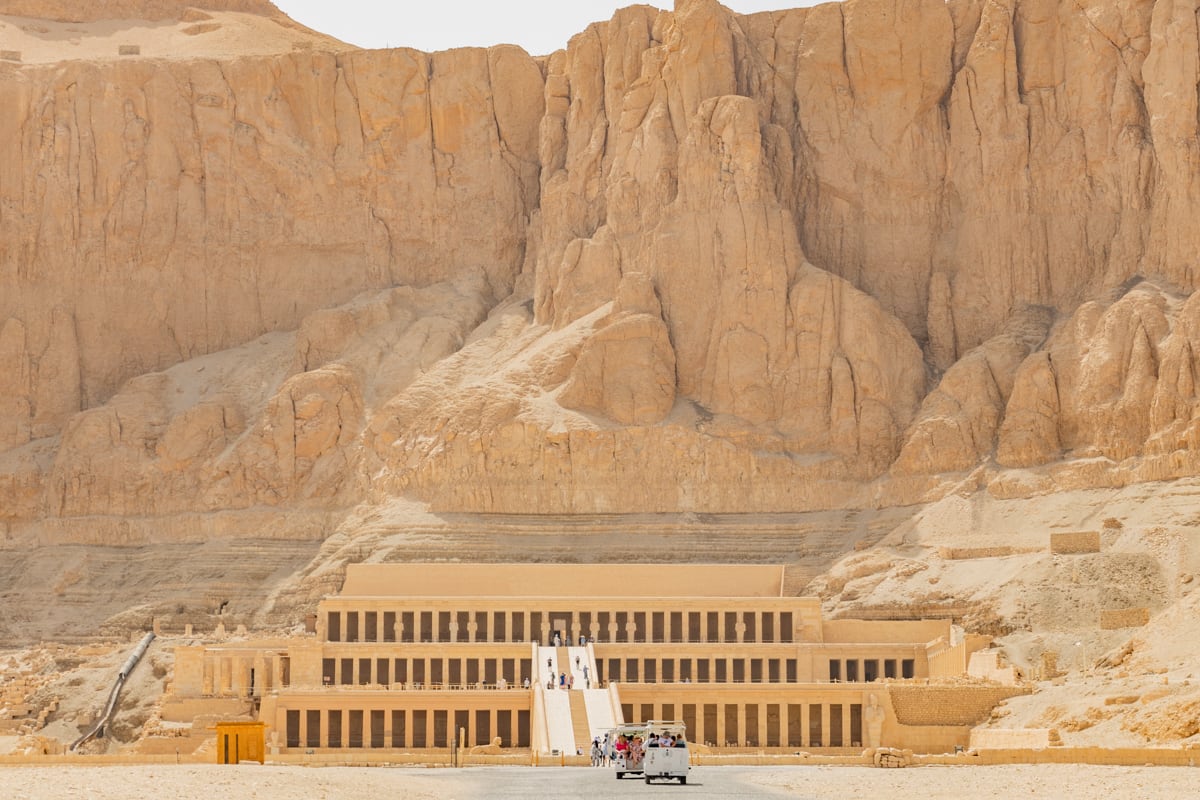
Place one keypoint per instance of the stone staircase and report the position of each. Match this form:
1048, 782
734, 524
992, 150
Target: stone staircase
579, 721
563, 656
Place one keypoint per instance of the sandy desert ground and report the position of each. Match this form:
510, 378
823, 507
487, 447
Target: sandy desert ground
929, 783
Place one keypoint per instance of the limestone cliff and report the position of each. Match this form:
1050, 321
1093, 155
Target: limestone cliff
159, 211
837, 257
74, 11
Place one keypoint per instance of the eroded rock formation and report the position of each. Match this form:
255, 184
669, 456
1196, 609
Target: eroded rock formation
824, 258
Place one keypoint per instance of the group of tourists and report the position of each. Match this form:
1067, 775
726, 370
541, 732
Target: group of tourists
566, 681
629, 748
557, 640
632, 749
599, 756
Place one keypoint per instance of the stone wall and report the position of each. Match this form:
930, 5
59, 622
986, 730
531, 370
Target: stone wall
990, 666
1115, 619
1108, 756
966, 553
947, 705
847, 631
1010, 738
1076, 543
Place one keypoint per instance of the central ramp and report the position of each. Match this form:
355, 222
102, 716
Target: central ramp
579, 721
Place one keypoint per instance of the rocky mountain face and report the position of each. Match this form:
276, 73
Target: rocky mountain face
156, 10
847, 257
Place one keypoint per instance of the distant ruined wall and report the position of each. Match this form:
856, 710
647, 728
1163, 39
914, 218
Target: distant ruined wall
1076, 543
1116, 619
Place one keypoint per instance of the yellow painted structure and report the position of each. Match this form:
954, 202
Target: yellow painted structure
241, 741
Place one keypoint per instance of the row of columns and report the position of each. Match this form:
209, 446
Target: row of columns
700, 670
403, 728
386, 671
868, 670
677, 628
796, 724
229, 675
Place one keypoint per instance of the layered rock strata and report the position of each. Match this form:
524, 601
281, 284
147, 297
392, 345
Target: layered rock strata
825, 258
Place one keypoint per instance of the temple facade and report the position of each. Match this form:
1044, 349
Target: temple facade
410, 657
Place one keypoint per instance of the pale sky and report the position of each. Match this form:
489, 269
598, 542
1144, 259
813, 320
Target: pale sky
540, 26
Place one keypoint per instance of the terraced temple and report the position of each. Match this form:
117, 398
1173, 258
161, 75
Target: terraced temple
548, 657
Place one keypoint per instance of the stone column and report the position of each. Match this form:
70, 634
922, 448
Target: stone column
262, 677
241, 676
743, 734
762, 725
846, 741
